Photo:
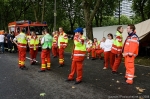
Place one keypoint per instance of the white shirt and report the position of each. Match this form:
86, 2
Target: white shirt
102, 45
107, 45
89, 44
42, 41
2, 38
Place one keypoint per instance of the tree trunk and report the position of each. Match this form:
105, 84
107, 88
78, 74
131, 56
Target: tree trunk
89, 31
89, 16
101, 19
96, 21
72, 27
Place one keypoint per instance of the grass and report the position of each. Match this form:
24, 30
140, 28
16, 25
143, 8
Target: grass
70, 46
143, 61
138, 60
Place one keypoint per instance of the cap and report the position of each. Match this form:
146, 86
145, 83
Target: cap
79, 29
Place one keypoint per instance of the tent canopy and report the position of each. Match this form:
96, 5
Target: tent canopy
100, 32
142, 30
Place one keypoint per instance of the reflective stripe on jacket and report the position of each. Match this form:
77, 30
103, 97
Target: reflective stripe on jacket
62, 40
55, 40
131, 45
96, 45
80, 48
117, 45
34, 42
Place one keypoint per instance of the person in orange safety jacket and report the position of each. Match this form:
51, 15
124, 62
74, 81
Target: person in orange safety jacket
117, 50
78, 56
55, 44
88, 47
95, 47
33, 43
21, 41
130, 51
62, 44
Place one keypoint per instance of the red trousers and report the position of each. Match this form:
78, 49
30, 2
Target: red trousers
22, 56
117, 62
99, 52
129, 64
45, 55
76, 67
61, 56
88, 52
109, 57
33, 54
93, 53
55, 51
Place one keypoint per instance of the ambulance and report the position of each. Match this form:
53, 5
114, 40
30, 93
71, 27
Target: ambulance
29, 26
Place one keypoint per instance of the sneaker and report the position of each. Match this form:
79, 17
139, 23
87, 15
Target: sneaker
105, 68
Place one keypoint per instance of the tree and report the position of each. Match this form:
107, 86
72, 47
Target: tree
125, 20
72, 9
141, 6
107, 8
89, 15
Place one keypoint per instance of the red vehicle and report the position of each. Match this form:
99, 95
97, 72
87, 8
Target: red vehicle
28, 26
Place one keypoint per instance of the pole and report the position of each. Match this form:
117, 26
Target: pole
55, 16
119, 12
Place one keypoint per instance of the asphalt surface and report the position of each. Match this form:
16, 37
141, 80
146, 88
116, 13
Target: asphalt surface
97, 83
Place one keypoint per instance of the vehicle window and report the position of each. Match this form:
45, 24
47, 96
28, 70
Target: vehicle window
37, 29
18, 29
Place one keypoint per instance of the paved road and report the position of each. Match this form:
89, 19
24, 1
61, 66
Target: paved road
97, 83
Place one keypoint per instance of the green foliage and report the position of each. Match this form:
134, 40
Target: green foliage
70, 13
125, 20
141, 9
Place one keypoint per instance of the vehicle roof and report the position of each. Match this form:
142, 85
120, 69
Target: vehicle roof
25, 23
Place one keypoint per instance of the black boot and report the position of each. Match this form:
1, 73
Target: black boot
77, 82
61, 65
40, 71
23, 68
115, 73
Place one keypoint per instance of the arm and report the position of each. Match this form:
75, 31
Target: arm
72, 51
29, 43
42, 41
14, 40
119, 38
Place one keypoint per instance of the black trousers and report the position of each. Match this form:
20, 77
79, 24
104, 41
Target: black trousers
10, 46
